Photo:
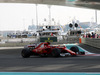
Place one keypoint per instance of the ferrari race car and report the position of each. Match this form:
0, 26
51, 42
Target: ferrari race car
45, 49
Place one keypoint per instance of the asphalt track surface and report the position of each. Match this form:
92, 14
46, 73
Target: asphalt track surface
11, 61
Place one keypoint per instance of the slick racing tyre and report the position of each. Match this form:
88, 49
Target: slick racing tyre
25, 53
75, 49
56, 52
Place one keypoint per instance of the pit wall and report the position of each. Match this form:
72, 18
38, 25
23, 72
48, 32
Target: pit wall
88, 41
95, 42
14, 44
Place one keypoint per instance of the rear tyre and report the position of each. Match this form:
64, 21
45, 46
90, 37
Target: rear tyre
56, 52
25, 53
75, 49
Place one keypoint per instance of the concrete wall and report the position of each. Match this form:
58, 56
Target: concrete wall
15, 42
92, 42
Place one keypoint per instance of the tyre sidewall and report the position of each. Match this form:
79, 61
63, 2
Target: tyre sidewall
25, 53
56, 52
75, 49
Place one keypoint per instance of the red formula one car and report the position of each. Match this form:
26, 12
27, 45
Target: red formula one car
45, 49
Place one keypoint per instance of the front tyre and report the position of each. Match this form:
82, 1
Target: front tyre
75, 49
56, 52
25, 53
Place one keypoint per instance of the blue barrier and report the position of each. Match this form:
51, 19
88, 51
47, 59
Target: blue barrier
46, 73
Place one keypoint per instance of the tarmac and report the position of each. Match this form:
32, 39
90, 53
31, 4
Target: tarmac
90, 48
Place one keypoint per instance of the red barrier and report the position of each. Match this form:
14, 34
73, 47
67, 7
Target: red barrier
80, 41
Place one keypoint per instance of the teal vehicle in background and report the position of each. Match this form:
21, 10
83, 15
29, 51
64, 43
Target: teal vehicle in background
78, 49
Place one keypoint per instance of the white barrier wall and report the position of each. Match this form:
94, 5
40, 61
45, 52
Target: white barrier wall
95, 42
